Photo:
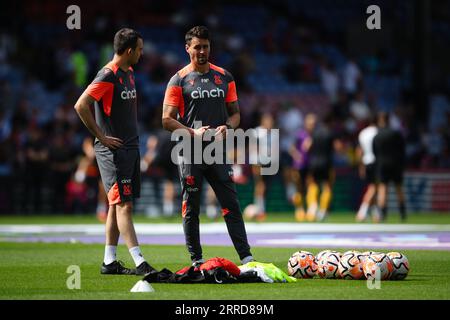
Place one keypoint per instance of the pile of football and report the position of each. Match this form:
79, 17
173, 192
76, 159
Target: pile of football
350, 265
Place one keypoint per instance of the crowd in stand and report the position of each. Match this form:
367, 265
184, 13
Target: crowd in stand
283, 66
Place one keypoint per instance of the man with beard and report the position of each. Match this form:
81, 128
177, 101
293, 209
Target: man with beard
202, 97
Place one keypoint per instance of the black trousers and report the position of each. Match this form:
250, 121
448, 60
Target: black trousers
219, 176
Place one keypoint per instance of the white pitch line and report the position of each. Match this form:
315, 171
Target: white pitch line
220, 228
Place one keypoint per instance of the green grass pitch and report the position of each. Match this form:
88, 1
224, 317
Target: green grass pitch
38, 271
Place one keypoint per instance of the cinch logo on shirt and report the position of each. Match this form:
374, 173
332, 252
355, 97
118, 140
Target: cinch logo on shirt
213, 93
127, 94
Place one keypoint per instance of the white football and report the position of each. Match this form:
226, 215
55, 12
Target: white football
328, 265
377, 266
400, 265
369, 253
351, 265
302, 264
321, 254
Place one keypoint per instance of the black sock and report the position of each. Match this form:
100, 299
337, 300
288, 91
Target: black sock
402, 211
383, 213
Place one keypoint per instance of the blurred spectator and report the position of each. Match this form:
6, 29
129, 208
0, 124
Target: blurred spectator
320, 147
157, 164
75, 195
351, 77
340, 108
289, 121
36, 164
269, 37
433, 142
271, 53
299, 153
240, 68
444, 159
292, 70
20, 117
80, 65
61, 159
105, 54
329, 80
389, 151
6, 166
367, 169
260, 158
415, 150
87, 172
359, 110
5, 126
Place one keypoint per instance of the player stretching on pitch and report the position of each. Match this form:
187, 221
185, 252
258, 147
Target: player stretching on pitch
117, 146
204, 92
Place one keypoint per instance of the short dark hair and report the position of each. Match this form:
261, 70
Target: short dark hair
200, 32
126, 38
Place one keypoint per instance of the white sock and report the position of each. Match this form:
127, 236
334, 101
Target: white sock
211, 211
362, 212
168, 208
321, 214
101, 207
247, 259
110, 254
259, 201
375, 211
291, 189
136, 255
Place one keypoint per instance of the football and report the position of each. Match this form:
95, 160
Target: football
328, 265
321, 254
351, 265
302, 264
366, 254
400, 265
377, 266
351, 251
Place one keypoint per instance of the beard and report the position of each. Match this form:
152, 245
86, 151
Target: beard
137, 60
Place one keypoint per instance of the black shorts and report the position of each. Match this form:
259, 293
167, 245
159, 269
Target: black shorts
285, 159
371, 175
303, 174
390, 173
120, 173
320, 173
